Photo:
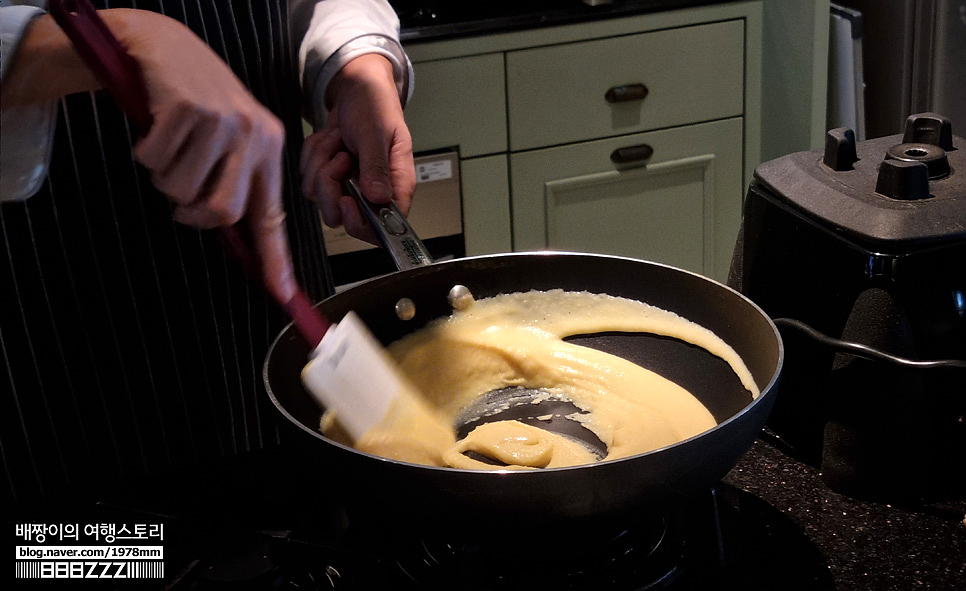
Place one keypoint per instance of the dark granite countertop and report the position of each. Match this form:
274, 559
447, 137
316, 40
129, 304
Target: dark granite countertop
867, 545
434, 20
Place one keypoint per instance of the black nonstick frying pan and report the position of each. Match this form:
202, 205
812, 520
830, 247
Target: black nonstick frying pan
432, 495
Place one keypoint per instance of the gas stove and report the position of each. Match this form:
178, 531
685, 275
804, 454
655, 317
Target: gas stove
267, 520
718, 540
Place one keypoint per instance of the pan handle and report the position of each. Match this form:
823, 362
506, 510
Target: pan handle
392, 229
120, 74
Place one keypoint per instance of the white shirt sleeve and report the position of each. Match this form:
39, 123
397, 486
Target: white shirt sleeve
340, 31
26, 132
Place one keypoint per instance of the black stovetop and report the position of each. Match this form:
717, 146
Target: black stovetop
771, 524
432, 20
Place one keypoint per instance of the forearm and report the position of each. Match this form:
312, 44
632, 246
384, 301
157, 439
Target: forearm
45, 67
340, 31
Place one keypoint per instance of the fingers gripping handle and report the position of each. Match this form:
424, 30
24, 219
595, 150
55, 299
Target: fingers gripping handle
392, 229
310, 323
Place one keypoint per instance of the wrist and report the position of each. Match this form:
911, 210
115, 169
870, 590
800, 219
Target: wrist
369, 70
46, 66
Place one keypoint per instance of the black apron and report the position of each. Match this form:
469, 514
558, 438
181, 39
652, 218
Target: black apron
131, 345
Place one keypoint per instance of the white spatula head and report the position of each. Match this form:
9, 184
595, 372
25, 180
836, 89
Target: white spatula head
351, 374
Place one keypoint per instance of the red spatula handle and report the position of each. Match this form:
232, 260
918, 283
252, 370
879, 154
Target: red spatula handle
105, 56
120, 74
310, 323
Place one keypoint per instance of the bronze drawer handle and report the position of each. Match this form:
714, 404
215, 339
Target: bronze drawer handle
625, 93
631, 154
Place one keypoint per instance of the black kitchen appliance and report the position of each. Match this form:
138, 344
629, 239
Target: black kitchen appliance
866, 243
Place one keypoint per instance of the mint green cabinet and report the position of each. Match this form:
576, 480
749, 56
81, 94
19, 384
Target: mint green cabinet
528, 113
486, 205
683, 208
557, 93
459, 102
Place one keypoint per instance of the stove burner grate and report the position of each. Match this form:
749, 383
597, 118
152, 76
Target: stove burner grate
640, 556
722, 539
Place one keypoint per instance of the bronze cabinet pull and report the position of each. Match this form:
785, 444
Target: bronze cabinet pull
625, 93
632, 154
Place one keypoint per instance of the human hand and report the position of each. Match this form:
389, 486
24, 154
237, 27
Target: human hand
212, 148
365, 123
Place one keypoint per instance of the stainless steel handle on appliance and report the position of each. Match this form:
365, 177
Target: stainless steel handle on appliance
392, 229
625, 93
865, 351
632, 154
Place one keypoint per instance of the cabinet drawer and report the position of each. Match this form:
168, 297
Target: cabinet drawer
691, 74
459, 102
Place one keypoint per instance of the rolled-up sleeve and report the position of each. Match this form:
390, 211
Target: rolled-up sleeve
340, 31
26, 132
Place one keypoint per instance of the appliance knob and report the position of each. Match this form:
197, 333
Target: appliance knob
840, 149
931, 155
903, 179
929, 128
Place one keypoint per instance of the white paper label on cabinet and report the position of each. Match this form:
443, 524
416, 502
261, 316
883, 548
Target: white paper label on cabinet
435, 170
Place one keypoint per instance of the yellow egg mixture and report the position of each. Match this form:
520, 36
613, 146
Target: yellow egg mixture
517, 340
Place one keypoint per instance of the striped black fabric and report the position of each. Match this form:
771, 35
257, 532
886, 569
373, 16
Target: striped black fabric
130, 344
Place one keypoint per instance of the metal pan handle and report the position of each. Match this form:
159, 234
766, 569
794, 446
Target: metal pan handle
392, 229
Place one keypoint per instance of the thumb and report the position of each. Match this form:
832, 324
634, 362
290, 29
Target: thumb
374, 179
266, 217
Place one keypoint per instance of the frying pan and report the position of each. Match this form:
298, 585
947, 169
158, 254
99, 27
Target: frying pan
434, 496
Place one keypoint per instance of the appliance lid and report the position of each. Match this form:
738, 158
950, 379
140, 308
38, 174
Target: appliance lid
908, 188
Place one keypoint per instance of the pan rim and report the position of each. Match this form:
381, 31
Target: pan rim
765, 392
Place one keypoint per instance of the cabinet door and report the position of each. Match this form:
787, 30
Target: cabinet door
682, 208
486, 205
459, 102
